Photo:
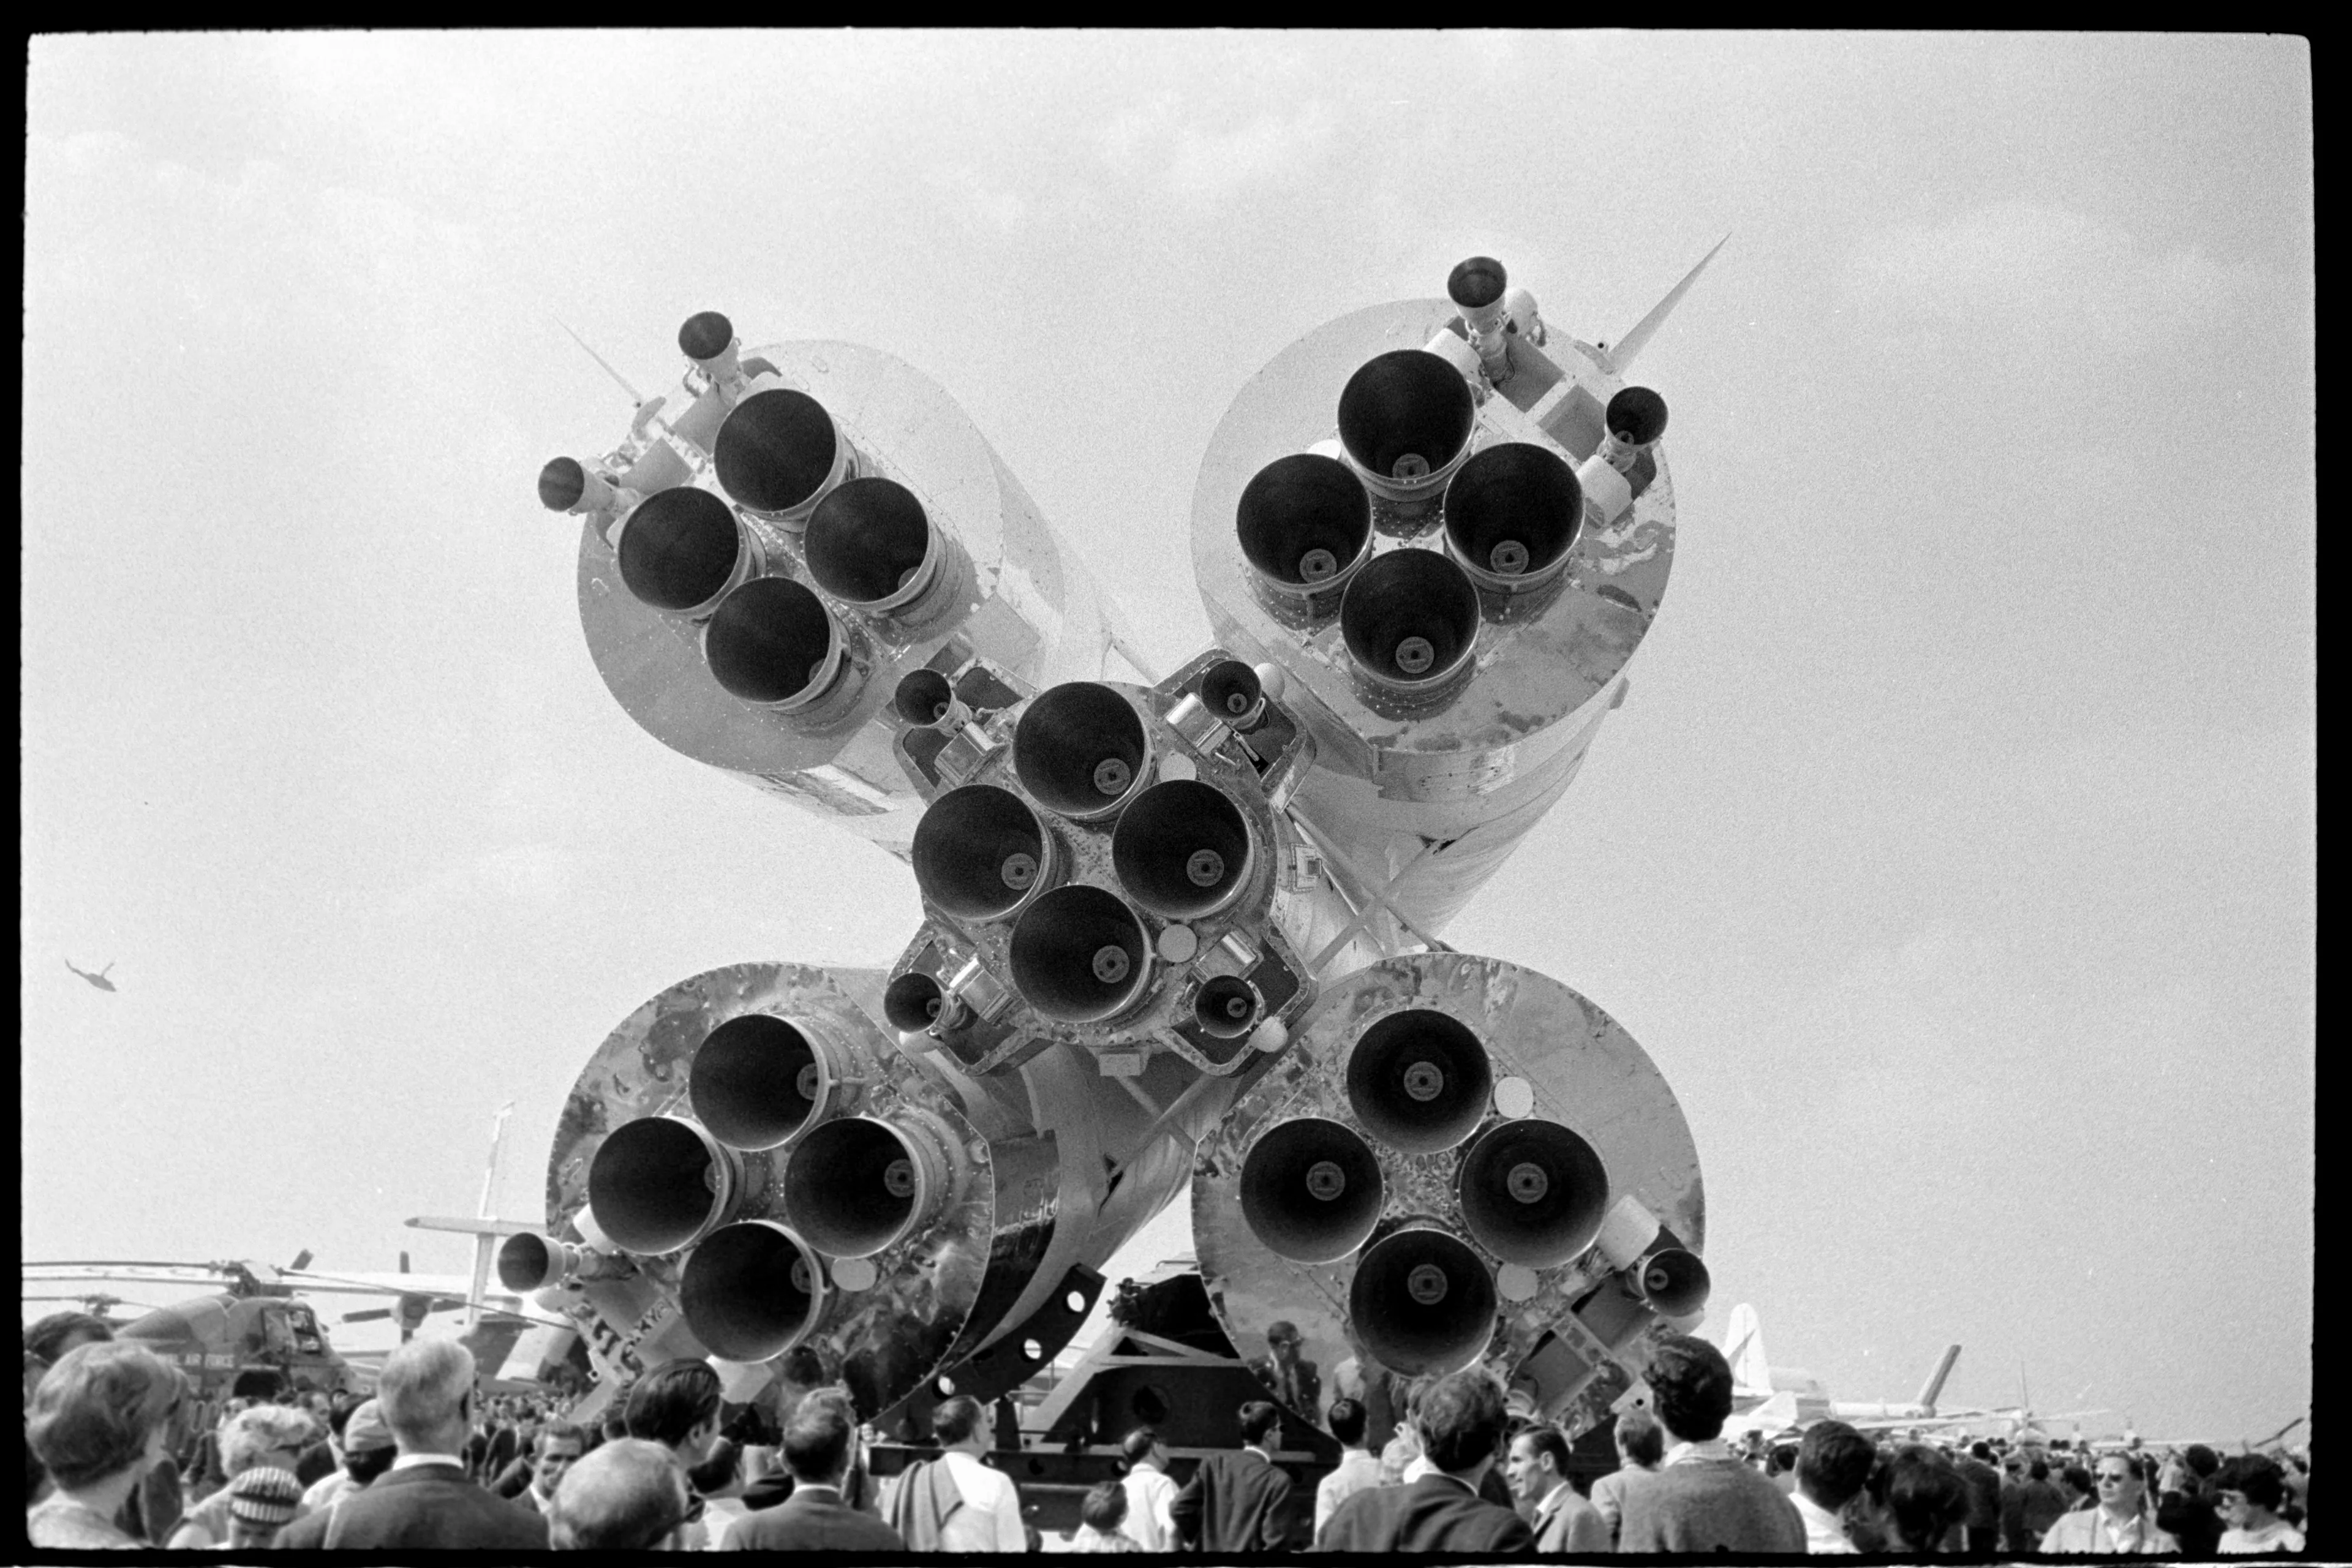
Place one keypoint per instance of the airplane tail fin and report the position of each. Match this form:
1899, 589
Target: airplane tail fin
1743, 1347
1935, 1384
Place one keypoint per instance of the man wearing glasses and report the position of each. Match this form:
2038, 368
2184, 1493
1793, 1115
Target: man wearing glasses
2119, 1524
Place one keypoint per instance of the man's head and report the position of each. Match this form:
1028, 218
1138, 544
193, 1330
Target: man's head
627, 1496
817, 1441
1259, 1422
1460, 1421
1539, 1462
426, 1394
561, 1445
677, 1406
1925, 1497
1104, 1508
1833, 1462
1640, 1439
1690, 1388
102, 1409
1347, 1420
1282, 1338
266, 1435
369, 1446
2201, 1460
262, 1501
957, 1423
2116, 1480
1142, 1445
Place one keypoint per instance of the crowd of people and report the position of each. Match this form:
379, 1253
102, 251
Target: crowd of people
119, 1455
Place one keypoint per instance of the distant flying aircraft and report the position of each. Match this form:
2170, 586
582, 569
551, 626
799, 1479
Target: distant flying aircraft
1782, 1397
99, 979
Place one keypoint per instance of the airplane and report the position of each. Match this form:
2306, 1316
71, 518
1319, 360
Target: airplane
1796, 1399
248, 1337
2132, 1439
2026, 1427
99, 979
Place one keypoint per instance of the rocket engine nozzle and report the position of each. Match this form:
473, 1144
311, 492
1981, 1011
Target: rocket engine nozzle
1081, 749
1673, 1281
1512, 513
758, 1079
1226, 1007
1422, 1302
1409, 620
1533, 1193
1305, 524
1405, 418
1232, 691
1478, 289
915, 1002
1419, 1080
533, 1262
1182, 850
869, 543
778, 452
924, 697
658, 1182
1080, 955
1311, 1190
855, 1186
705, 336
681, 549
565, 485
751, 1291
981, 854
1636, 418
774, 642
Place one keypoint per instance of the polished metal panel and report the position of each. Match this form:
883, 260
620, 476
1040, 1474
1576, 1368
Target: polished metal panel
1550, 1057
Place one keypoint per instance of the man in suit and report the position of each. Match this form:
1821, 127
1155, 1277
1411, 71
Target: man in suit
425, 1502
1703, 1499
630, 1495
1235, 1502
814, 1518
1460, 1421
1538, 1471
1296, 1383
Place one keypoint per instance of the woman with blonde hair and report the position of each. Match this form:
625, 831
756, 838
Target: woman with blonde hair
262, 1435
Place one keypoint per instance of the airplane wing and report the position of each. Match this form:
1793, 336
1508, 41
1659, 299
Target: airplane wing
1777, 1413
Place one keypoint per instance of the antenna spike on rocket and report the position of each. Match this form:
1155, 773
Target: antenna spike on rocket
1621, 358
636, 398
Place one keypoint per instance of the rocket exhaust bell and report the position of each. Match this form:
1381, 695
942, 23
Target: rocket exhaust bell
777, 450
657, 1183
705, 335
1533, 1193
1305, 524
1311, 1190
1673, 1281
914, 1002
1636, 416
1409, 619
924, 697
1079, 955
855, 1186
1225, 1006
773, 641
1405, 418
756, 1081
530, 1262
980, 853
1512, 514
562, 483
1080, 748
751, 1291
1476, 286
1231, 691
1182, 850
1422, 1302
870, 545
1419, 1082
679, 549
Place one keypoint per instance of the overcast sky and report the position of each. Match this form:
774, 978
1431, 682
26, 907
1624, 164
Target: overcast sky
1953, 855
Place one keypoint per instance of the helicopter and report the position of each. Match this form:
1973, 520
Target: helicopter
99, 979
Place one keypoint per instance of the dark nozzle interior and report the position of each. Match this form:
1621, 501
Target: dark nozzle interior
978, 851
841, 1190
1410, 616
913, 1003
1181, 848
749, 1291
1423, 1304
679, 548
1637, 416
651, 1185
1311, 1190
1476, 283
1405, 403
768, 639
1514, 509
1533, 1193
1065, 740
1231, 691
924, 697
1061, 955
526, 1262
867, 540
1303, 520
562, 483
1225, 1007
1674, 1282
705, 335
754, 1081
1419, 1080
774, 449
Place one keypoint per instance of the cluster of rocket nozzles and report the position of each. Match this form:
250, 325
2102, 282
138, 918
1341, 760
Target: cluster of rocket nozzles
1404, 458
802, 542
